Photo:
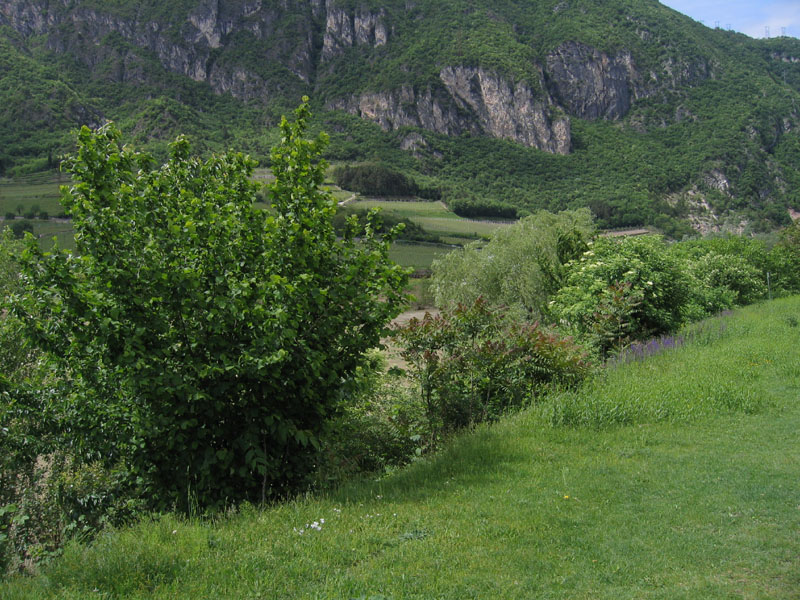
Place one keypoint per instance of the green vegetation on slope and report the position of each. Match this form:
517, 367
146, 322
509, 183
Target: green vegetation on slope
701, 506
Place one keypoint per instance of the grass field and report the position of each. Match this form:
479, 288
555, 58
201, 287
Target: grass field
419, 256
434, 217
26, 194
47, 230
676, 505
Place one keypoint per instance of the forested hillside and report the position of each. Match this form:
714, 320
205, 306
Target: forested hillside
626, 107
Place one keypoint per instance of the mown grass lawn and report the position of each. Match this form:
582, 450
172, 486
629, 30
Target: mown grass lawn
675, 504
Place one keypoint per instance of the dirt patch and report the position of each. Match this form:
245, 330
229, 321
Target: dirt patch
405, 317
391, 350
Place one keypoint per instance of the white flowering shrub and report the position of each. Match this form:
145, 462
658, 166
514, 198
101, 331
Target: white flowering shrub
622, 289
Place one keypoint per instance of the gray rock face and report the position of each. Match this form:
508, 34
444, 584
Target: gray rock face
344, 30
576, 79
506, 110
431, 109
469, 100
591, 84
206, 28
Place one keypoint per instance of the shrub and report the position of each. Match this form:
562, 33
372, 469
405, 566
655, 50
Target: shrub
45, 495
726, 281
204, 342
622, 289
472, 363
785, 259
381, 426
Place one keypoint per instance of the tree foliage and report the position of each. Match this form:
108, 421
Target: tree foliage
522, 265
378, 180
200, 339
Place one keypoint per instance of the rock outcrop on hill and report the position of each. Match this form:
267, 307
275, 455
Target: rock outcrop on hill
301, 39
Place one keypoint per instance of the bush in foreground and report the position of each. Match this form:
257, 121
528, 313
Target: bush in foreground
202, 341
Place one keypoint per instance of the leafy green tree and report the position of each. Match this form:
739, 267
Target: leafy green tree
16, 358
521, 266
204, 341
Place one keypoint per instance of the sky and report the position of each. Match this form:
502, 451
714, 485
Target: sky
750, 17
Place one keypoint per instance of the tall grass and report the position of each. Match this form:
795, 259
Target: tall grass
716, 371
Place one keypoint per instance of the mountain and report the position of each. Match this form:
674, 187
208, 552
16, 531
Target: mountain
625, 106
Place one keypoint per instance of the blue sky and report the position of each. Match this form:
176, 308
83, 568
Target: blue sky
747, 16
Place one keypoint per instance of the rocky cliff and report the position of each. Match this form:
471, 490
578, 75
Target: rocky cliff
468, 99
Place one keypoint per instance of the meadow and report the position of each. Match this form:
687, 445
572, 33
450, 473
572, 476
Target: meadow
678, 481
435, 218
39, 190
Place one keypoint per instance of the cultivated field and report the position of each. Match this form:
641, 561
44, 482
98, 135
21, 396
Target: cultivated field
418, 256
39, 190
435, 218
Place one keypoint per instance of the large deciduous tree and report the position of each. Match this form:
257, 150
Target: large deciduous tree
205, 341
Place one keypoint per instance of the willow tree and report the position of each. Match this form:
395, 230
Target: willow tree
522, 265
